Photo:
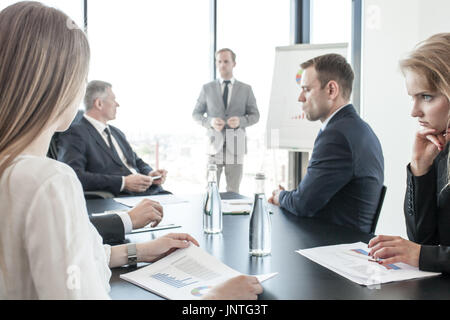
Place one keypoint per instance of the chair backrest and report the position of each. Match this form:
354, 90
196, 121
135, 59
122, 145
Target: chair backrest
378, 211
53, 148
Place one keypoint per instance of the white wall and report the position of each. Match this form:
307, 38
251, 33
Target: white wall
390, 30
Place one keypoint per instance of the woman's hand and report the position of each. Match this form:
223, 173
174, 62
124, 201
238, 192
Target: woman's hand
156, 249
238, 288
428, 144
394, 249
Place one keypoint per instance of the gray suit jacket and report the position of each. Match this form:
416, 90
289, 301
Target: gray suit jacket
210, 105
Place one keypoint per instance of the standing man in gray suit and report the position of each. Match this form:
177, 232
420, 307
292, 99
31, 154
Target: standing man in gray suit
225, 108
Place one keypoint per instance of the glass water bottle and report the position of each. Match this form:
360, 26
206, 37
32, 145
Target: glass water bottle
260, 224
212, 209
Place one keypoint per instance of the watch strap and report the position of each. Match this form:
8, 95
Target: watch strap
132, 254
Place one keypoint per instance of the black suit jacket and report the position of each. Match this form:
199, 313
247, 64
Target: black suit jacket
97, 167
427, 214
110, 227
344, 177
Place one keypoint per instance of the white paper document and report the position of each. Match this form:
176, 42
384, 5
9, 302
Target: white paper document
237, 206
163, 199
186, 274
352, 262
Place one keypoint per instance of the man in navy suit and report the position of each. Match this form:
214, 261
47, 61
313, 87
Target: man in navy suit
346, 171
100, 153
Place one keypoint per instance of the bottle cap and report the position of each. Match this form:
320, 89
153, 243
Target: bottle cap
260, 176
212, 167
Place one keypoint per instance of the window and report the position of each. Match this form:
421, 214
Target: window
331, 22
252, 29
156, 55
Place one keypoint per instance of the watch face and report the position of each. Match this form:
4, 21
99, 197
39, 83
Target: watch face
132, 260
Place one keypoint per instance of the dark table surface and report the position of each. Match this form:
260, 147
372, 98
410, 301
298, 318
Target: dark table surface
298, 278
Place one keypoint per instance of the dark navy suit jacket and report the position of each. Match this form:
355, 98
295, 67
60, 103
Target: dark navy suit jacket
427, 214
344, 176
96, 166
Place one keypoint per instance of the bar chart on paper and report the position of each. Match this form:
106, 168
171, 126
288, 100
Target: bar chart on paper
172, 281
184, 274
353, 262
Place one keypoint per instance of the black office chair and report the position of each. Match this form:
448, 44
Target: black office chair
378, 211
53, 154
53, 149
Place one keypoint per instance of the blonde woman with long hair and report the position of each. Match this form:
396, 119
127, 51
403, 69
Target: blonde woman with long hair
48, 248
427, 201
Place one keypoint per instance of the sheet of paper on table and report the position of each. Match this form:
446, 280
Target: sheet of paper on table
352, 262
237, 206
185, 274
163, 199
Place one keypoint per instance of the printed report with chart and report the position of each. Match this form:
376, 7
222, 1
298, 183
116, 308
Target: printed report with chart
185, 274
352, 262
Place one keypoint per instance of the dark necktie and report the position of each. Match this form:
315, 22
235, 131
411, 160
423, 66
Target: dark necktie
111, 145
225, 93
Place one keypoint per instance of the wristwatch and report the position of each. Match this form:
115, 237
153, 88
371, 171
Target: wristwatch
132, 254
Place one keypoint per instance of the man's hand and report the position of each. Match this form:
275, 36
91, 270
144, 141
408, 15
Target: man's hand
218, 124
234, 122
275, 198
137, 182
160, 172
147, 211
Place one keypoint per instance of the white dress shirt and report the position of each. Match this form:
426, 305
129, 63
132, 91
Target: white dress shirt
48, 247
230, 88
325, 123
100, 127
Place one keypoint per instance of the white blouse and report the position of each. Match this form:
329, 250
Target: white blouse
48, 247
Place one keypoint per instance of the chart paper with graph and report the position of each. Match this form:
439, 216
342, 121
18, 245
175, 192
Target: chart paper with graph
287, 126
352, 262
186, 274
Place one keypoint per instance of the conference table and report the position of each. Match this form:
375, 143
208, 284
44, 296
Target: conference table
298, 277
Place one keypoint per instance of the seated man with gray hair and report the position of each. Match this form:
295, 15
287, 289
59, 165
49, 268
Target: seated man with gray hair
100, 153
